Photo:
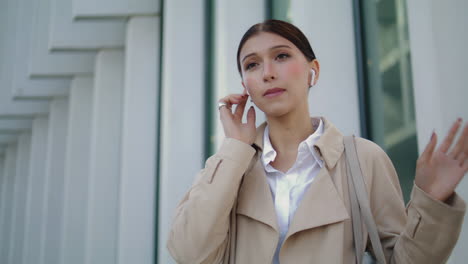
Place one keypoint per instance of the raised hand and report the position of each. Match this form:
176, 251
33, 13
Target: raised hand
438, 171
232, 122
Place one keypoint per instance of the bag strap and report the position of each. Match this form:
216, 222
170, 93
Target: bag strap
355, 217
357, 186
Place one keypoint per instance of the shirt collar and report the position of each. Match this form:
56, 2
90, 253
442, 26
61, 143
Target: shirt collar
312, 139
269, 153
329, 147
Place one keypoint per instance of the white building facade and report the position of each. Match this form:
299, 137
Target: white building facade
108, 108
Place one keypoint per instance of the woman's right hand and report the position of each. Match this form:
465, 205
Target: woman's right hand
232, 122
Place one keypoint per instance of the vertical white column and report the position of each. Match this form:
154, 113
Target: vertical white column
36, 192
104, 182
10, 173
182, 117
55, 169
21, 183
140, 130
426, 80
3, 191
77, 172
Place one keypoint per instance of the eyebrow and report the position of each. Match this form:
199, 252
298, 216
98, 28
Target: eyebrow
272, 48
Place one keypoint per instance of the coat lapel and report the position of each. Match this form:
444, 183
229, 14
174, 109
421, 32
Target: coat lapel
254, 199
322, 203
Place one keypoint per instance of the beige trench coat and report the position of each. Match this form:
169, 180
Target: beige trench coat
228, 215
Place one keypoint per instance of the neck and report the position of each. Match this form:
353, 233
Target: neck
288, 131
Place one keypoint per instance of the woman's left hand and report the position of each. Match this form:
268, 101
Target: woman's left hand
438, 171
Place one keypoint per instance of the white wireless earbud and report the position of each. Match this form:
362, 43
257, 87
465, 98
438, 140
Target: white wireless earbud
313, 78
247, 91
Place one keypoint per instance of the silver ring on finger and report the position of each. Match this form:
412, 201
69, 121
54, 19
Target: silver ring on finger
221, 104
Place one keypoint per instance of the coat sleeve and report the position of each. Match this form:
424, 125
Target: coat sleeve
199, 232
426, 231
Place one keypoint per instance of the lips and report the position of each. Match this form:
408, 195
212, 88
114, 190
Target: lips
273, 92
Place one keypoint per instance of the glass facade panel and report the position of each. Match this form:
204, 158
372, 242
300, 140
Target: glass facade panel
389, 105
388, 85
279, 9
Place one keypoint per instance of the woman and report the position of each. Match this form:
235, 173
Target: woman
279, 194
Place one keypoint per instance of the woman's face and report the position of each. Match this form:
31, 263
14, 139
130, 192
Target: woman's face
275, 73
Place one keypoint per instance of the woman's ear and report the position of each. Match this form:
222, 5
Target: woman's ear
246, 91
315, 72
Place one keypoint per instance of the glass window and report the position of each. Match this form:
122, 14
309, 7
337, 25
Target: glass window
279, 9
389, 102
388, 106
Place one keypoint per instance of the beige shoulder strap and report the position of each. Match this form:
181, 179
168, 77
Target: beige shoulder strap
360, 206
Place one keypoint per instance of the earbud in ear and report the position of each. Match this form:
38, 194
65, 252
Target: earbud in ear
247, 91
312, 78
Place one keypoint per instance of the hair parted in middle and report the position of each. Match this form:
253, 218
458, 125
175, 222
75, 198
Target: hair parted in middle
280, 28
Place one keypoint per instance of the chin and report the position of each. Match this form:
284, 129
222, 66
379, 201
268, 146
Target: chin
275, 111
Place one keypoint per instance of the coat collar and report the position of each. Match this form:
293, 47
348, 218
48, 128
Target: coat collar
322, 203
329, 146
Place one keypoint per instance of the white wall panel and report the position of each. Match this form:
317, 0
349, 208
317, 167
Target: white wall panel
139, 134
113, 8
15, 124
36, 198
55, 170
45, 63
8, 204
7, 50
8, 138
66, 33
3, 197
182, 110
104, 182
424, 68
21, 187
75, 215
23, 86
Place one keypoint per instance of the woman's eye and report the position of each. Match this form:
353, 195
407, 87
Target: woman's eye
282, 56
250, 65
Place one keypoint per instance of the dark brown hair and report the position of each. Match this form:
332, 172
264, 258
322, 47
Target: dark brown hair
283, 29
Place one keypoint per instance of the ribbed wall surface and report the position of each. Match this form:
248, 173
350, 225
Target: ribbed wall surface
103, 111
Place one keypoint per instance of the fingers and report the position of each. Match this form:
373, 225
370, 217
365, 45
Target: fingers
444, 147
232, 99
226, 111
465, 147
240, 108
465, 166
427, 153
460, 150
251, 116
461, 159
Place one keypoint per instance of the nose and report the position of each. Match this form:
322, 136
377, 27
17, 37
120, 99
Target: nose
269, 73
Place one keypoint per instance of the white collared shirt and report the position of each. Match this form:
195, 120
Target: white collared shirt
289, 188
